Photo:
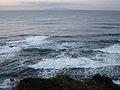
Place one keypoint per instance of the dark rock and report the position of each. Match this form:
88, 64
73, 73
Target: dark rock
11, 46
62, 82
12, 79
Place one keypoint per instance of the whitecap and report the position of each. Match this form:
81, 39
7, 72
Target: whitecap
37, 40
117, 82
32, 40
111, 49
67, 62
13, 47
6, 84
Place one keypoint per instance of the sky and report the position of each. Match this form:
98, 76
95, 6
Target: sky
59, 4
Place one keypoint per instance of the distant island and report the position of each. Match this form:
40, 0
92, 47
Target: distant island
62, 82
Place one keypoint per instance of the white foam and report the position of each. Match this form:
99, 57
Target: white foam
69, 45
6, 84
33, 40
7, 51
112, 49
56, 63
67, 62
117, 82
37, 40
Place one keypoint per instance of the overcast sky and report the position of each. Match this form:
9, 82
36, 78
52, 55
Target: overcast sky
59, 4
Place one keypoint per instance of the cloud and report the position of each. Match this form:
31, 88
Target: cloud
47, 4
15, 2
42, 5
66, 4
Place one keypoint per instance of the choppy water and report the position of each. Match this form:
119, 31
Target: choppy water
46, 43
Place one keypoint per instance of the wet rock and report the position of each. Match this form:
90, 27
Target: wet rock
62, 82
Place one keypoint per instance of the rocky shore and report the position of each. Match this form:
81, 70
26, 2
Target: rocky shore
62, 82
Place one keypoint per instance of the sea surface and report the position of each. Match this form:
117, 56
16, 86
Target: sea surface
46, 43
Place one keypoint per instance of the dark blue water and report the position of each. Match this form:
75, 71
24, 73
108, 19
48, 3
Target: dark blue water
45, 43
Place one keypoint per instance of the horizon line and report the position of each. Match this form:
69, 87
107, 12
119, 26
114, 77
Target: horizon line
60, 10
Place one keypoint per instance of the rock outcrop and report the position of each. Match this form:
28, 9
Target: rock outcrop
62, 82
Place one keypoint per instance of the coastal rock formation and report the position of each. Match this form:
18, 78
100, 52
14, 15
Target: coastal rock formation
62, 82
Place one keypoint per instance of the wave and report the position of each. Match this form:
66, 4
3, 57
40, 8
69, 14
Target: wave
108, 27
106, 41
111, 49
117, 82
98, 58
111, 34
7, 51
109, 24
81, 62
59, 63
7, 84
11, 48
2, 43
39, 51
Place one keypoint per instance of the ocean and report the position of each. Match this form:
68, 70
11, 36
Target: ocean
46, 43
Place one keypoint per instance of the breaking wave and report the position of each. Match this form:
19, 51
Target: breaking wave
111, 49
10, 49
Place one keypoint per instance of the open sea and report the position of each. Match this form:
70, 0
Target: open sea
46, 43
